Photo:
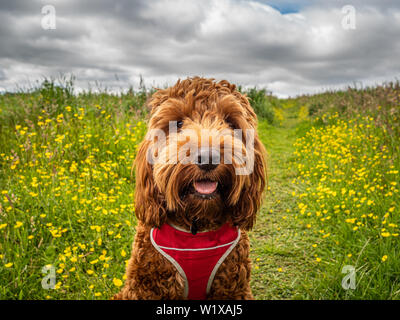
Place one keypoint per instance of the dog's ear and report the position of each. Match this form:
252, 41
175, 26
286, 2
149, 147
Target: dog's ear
244, 212
150, 207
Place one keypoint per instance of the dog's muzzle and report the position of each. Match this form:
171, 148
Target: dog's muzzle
208, 159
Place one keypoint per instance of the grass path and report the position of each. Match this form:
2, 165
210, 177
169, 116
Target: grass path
278, 243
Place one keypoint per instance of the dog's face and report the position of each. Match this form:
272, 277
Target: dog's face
202, 160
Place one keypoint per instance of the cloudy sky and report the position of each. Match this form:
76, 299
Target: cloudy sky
290, 47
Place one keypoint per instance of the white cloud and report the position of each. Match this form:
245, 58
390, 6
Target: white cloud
245, 42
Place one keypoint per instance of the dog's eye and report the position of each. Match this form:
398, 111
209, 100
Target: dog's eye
179, 124
231, 124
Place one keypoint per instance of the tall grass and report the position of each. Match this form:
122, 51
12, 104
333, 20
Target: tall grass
66, 190
264, 104
381, 103
348, 191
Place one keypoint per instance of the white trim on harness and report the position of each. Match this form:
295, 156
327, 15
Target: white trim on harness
216, 267
174, 262
198, 249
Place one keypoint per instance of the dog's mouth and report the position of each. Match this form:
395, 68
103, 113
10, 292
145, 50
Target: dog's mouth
204, 189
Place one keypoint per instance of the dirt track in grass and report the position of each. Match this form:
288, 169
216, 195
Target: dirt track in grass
278, 243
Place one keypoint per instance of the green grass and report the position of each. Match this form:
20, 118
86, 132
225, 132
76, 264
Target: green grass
66, 197
333, 201
66, 194
349, 198
280, 246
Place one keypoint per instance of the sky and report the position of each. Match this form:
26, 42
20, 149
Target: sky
288, 47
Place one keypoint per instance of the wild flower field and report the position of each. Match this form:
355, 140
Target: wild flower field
347, 178
67, 193
66, 198
348, 197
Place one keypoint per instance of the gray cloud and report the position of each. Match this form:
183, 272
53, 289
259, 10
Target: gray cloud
246, 42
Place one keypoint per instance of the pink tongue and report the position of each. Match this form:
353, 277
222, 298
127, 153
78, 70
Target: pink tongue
205, 187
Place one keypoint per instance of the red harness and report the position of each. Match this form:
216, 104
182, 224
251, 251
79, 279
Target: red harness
196, 257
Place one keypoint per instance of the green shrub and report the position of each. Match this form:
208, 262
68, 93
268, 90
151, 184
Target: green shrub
263, 103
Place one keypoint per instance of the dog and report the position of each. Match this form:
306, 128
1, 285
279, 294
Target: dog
191, 240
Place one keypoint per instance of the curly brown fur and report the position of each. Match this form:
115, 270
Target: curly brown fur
164, 191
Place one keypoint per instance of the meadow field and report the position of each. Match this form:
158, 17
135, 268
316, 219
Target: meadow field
332, 204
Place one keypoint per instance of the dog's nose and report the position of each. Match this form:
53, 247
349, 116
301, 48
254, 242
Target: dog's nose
208, 159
